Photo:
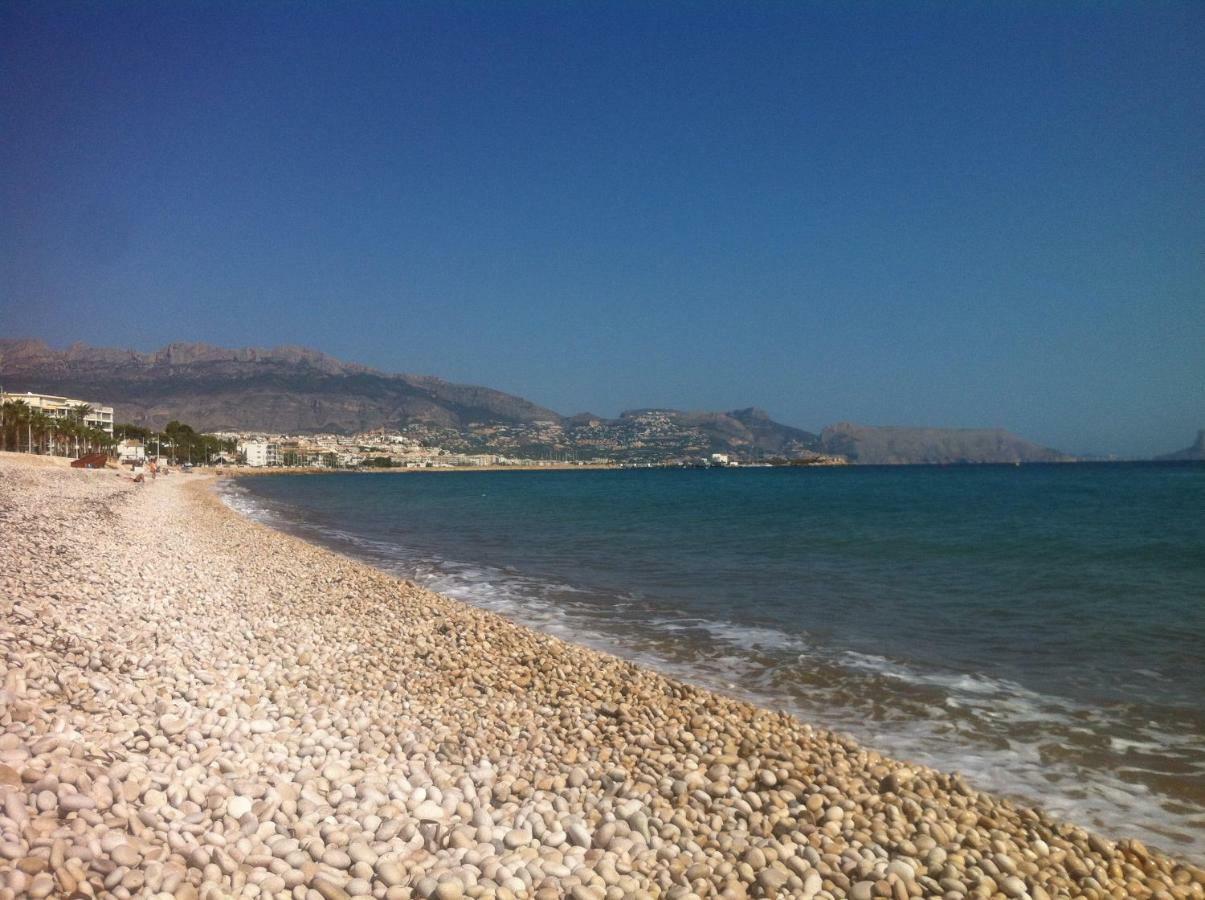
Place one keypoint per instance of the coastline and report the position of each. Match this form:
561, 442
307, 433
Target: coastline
250, 713
267, 471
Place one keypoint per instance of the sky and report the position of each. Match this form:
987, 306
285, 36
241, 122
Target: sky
942, 214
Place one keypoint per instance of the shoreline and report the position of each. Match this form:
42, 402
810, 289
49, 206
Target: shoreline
265, 471
1062, 752
256, 713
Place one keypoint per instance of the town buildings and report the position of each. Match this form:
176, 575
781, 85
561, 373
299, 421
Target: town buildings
372, 449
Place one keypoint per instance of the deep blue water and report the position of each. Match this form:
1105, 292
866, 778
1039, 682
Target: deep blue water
1041, 628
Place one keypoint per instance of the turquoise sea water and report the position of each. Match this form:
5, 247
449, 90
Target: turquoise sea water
1041, 628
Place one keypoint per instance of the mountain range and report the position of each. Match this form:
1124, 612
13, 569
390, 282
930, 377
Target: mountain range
296, 390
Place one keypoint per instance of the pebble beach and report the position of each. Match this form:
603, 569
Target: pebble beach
195, 705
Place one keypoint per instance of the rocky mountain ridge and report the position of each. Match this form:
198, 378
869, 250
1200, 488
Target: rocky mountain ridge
297, 390
284, 389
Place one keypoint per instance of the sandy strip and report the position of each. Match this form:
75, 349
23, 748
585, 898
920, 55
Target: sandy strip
195, 705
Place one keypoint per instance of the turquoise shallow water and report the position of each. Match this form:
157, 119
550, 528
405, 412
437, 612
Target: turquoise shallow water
1040, 628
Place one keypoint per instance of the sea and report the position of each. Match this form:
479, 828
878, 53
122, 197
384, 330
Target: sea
1038, 628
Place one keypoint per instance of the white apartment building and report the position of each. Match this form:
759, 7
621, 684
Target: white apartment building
63, 407
131, 451
260, 453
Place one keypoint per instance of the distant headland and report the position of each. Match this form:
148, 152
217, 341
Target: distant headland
1196, 451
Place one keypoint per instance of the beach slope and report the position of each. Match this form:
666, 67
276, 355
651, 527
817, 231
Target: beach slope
195, 705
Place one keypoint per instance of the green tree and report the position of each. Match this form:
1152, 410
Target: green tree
127, 431
39, 424
76, 416
54, 435
182, 440
16, 422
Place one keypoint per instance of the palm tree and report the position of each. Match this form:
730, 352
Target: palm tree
77, 433
39, 423
78, 414
18, 413
59, 430
8, 419
66, 429
9, 412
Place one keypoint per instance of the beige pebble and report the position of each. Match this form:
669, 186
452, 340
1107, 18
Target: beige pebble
172, 725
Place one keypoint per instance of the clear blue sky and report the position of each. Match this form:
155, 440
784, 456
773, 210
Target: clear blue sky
955, 214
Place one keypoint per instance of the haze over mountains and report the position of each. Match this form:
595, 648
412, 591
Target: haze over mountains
294, 390
1195, 451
